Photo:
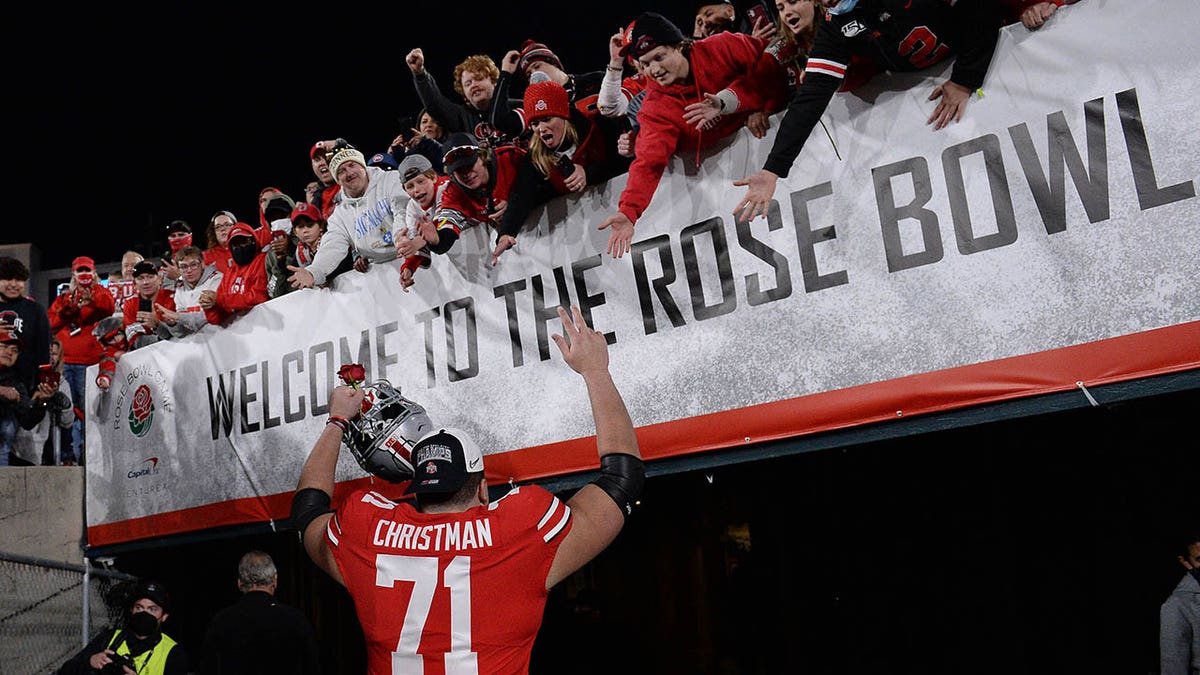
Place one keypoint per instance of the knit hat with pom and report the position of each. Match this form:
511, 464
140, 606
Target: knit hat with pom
535, 51
546, 99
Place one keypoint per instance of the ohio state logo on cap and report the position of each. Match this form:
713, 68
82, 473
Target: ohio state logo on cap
541, 105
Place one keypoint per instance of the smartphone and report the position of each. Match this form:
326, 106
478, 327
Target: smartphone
48, 375
757, 13
407, 124
145, 304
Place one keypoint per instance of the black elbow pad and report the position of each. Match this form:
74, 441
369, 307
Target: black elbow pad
308, 505
622, 477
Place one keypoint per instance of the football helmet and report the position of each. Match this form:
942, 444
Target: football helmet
381, 438
108, 328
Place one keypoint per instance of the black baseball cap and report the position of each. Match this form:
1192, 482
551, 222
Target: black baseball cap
462, 151
150, 590
442, 461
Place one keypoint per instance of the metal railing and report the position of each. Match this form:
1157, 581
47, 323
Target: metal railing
51, 609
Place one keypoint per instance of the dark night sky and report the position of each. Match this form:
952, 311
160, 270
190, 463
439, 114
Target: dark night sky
126, 122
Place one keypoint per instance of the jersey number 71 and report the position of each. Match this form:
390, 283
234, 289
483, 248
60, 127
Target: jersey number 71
423, 573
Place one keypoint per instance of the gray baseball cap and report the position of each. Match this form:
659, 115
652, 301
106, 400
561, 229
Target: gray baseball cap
414, 165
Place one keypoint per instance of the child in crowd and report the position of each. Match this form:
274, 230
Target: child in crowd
110, 333
426, 187
308, 229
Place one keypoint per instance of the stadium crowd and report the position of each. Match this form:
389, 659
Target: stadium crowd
516, 133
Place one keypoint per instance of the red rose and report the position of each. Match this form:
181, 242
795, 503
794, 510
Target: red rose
142, 403
352, 374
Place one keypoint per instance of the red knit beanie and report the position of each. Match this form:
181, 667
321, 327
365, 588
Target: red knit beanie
546, 99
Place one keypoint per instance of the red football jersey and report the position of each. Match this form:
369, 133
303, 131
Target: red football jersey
448, 593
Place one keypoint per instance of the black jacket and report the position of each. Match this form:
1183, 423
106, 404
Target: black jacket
259, 634
899, 36
33, 326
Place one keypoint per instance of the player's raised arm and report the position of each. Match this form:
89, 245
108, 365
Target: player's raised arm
598, 509
314, 491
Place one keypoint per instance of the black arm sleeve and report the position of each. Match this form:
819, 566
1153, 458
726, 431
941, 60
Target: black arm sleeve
976, 28
446, 239
809, 101
502, 112
803, 113
308, 505
622, 477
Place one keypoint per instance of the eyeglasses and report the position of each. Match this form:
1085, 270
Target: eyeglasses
190, 265
222, 226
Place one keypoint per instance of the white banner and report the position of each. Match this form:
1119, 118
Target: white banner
1060, 212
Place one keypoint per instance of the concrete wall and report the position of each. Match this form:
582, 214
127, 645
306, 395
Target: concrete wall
41, 512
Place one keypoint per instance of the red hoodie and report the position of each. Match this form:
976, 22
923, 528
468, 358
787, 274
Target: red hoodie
242, 286
726, 60
219, 255
129, 308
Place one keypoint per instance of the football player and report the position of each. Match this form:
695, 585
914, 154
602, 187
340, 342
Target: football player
448, 582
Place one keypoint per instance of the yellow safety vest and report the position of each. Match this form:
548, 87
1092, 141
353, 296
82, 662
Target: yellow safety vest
150, 662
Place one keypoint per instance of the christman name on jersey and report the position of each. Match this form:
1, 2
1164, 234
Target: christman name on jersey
456, 536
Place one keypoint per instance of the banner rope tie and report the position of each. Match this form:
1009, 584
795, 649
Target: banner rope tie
1088, 394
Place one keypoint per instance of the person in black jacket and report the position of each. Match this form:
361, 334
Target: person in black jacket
140, 648
24, 316
898, 36
475, 80
259, 634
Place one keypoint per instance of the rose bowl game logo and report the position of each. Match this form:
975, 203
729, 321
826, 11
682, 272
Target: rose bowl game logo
141, 411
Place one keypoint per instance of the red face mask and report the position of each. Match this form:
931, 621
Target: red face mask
178, 242
85, 278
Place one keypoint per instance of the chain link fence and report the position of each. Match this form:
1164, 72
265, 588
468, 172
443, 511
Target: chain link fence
49, 610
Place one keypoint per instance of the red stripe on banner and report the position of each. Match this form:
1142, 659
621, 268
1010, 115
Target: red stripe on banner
221, 514
1145, 354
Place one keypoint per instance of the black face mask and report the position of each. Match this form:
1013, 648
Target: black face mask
143, 624
243, 254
